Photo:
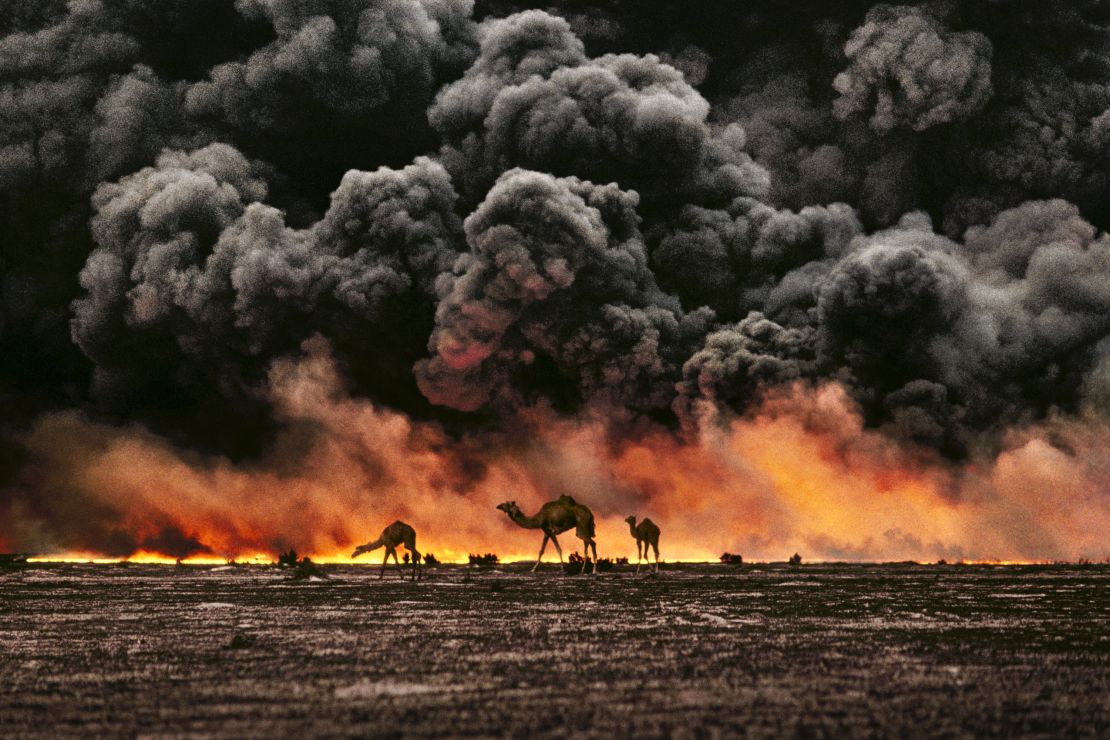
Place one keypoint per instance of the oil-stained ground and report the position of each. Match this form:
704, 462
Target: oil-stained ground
767, 650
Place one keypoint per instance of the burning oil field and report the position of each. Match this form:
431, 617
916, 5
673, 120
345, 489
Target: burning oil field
773, 278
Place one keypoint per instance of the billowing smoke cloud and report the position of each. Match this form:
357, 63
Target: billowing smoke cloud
738, 362
533, 99
1046, 137
652, 234
905, 69
192, 271
557, 275
745, 257
792, 136
347, 57
335, 72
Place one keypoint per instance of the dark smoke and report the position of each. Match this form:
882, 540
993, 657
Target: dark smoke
636, 207
193, 273
557, 280
906, 69
533, 99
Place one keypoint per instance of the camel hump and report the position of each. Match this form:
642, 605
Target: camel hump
568, 500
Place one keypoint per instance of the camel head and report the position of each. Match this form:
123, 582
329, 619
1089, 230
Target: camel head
509, 507
364, 548
631, 520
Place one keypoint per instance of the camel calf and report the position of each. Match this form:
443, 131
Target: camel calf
646, 533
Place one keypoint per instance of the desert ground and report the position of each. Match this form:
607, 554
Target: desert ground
697, 651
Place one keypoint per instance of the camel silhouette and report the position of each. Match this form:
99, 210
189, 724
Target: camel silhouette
395, 534
554, 518
645, 533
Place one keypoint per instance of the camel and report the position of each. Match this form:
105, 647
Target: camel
395, 534
645, 533
554, 518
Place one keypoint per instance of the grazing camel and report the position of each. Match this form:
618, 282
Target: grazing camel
554, 518
645, 533
395, 534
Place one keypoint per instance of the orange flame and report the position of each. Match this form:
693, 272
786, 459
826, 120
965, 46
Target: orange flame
801, 475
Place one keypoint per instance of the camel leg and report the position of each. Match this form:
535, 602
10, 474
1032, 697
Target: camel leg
586, 544
655, 546
543, 547
415, 565
557, 548
639, 557
385, 561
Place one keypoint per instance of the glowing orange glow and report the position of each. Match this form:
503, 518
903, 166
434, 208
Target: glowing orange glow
802, 475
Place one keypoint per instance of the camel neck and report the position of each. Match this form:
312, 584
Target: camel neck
528, 522
632, 529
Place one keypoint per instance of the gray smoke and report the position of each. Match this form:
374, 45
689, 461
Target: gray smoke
189, 259
533, 99
739, 362
793, 136
1045, 138
558, 272
736, 260
624, 247
905, 69
348, 58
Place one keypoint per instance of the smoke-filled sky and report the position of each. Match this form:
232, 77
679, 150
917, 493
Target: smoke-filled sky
824, 277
